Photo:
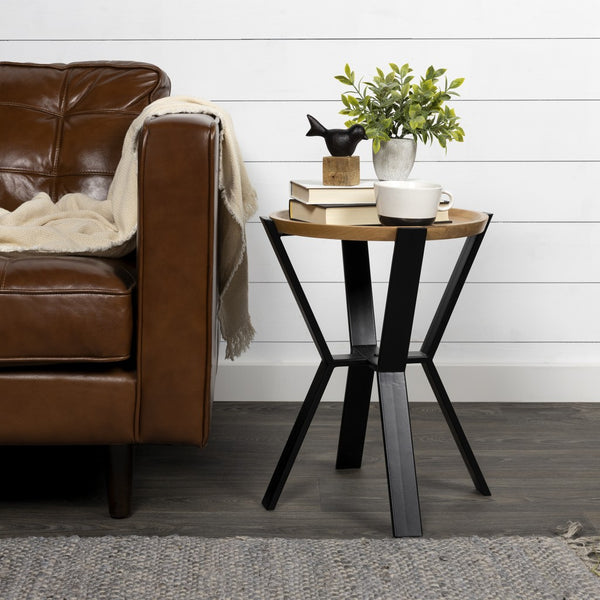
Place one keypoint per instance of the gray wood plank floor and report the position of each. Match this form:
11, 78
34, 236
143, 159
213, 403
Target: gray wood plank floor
541, 461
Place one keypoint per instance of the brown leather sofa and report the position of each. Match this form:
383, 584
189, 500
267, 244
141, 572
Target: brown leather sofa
100, 351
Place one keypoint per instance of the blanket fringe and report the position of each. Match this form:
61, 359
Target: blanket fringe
586, 547
239, 342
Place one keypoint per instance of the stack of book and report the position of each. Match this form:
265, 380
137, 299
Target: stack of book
312, 201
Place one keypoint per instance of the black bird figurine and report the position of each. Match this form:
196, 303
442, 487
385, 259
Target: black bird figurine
340, 142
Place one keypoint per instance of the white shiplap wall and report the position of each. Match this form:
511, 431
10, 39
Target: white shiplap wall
527, 326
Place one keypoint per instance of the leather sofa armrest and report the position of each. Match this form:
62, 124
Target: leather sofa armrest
177, 340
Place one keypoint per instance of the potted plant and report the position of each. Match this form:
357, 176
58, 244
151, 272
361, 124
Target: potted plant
396, 111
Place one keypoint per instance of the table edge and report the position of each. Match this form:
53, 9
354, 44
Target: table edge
466, 224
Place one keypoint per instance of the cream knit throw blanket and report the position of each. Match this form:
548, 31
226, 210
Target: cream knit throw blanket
78, 224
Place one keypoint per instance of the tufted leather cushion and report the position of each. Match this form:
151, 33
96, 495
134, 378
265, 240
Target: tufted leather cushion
65, 309
62, 126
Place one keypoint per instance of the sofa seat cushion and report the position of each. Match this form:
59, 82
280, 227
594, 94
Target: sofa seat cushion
56, 309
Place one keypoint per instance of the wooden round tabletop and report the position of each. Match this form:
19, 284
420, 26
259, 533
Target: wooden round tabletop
464, 223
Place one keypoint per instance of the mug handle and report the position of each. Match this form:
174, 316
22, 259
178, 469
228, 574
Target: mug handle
447, 205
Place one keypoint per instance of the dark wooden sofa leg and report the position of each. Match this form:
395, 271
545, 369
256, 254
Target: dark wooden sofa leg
119, 480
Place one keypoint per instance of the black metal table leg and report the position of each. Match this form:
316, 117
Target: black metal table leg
297, 291
359, 293
296, 437
452, 292
315, 392
363, 338
355, 415
399, 455
431, 343
455, 427
398, 319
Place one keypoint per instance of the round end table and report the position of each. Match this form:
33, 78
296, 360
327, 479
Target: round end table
386, 358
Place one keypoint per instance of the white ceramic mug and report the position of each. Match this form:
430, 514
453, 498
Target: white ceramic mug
410, 202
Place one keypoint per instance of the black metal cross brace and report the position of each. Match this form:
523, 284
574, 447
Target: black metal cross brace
388, 361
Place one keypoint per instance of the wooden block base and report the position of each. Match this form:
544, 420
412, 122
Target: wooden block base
341, 170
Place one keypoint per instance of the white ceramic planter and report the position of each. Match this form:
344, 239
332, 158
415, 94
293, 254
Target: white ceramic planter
395, 159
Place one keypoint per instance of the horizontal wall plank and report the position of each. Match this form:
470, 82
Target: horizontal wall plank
113, 19
513, 191
449, 353
495, 131
279, 70
472, 372
485, 312
464, 383
511, 252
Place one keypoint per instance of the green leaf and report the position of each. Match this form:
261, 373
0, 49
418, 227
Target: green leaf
456, 83
395, 68
414, 110
417, 123
343, 79
428, 85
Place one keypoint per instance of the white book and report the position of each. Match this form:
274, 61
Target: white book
314, 192
336, 214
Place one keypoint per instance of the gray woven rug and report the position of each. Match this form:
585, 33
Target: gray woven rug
137, 568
